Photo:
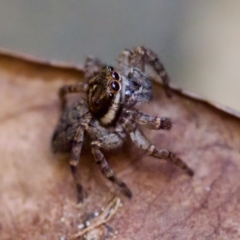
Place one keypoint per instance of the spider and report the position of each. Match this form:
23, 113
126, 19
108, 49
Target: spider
108, 114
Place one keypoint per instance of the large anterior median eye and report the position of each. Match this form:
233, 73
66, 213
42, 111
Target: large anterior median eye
115, 86
115, 75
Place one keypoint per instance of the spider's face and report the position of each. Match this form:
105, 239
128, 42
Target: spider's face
105, 96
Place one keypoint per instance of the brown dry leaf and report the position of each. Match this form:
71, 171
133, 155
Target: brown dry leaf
37, 194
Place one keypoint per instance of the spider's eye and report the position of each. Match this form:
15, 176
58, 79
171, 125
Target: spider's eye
96, 103
115, 75
111, 95
110, 68
115, 85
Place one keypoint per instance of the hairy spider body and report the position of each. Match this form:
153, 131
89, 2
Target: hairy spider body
108, 116
106, 96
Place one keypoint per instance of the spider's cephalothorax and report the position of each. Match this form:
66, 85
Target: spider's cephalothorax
108, 114
106, 95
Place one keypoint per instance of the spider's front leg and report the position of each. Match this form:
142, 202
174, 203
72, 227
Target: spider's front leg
141, 141
92, 67
75, 88
109, 141
141, 57
74, 160
149, 121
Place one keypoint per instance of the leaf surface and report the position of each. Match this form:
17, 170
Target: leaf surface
37, 194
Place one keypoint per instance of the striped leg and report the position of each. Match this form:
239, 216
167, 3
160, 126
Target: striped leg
141, 142
141, 57
92, 67
77, 88
151, 122
166, 154
145, 56
74, 160
107, 171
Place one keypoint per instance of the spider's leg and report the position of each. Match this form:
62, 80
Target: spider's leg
105, 142
124, 62
76, 88
108, 172
92, 67
151, 122
141, 141
141, 57
74, 160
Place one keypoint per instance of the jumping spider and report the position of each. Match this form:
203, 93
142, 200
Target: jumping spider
108, 116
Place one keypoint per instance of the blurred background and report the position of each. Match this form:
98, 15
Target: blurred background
198, 41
